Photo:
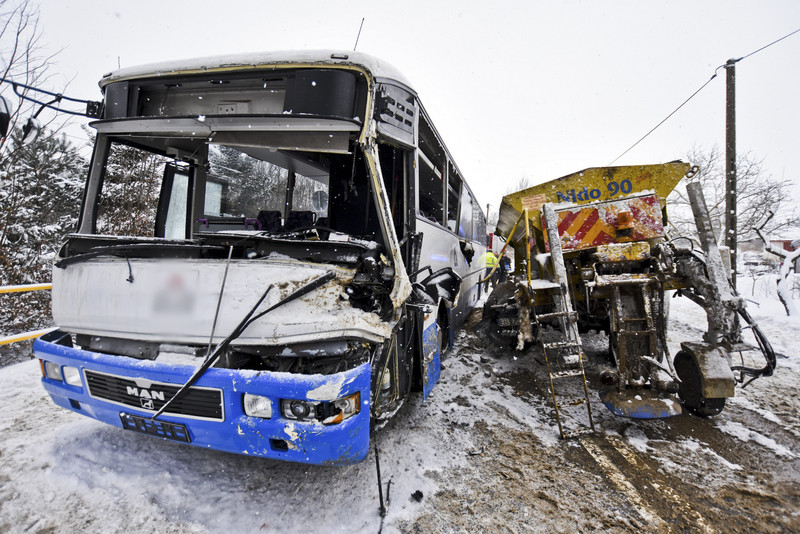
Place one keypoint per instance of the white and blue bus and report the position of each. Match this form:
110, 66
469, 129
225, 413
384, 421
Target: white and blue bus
273, 252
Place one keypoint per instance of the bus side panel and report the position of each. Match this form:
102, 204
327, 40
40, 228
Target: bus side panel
431, 356
470, 293
440, 249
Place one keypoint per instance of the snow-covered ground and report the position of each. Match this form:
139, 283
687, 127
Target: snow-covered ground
483, 451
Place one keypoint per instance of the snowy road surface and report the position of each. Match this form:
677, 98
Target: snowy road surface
484, 452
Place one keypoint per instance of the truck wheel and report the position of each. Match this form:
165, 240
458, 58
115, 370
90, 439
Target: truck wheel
690, 389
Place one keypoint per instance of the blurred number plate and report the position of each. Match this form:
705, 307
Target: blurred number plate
162, 429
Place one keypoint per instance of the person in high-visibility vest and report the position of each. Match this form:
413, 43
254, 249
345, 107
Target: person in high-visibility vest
491, 262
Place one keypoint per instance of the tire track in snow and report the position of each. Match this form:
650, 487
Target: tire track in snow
668, 491
622, 484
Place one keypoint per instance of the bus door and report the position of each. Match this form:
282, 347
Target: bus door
428, 336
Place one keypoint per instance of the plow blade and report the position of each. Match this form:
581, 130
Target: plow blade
640, 404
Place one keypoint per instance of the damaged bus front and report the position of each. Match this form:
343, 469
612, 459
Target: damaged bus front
244, 276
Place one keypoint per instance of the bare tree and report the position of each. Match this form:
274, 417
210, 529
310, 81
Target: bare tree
757, 193
788, 262
39, 183
523, 183
23, 59
494, 209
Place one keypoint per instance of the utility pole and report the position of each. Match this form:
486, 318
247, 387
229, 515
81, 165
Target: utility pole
730, 164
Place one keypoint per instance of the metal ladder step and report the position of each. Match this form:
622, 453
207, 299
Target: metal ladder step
566, 374
561, 345
634, 320
577, 433
742, 347
570, 336
648, 332
541, 316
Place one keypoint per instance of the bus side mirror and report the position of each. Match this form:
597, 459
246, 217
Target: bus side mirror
5, 117
467, 250
31, 131
319, 200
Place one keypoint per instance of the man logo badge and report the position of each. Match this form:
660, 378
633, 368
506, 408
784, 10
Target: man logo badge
146, 396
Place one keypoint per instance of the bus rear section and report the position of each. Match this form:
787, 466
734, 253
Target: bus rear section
247, 274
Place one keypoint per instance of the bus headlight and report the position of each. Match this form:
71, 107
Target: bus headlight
72, 376
257, 406
329, 413
344, 409
299, 410
52, 370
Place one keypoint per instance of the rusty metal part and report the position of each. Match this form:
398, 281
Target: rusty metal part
691, 271
525, 304
527, 245
616, 252
722, 304
559, 269
716, 378
691, 387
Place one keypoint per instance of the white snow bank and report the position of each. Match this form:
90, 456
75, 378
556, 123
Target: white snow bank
745, 434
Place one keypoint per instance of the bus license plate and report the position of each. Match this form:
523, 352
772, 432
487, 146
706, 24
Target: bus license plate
162, 429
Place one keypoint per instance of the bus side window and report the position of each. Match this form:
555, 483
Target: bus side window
465, 221
478, 223
174, 201
430, 193
430, 170
453, 191
213, 198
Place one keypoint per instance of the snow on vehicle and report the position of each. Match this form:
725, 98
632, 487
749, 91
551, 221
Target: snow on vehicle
593, 253
273, 251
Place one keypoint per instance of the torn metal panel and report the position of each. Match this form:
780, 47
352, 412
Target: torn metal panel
401, 289
174, 301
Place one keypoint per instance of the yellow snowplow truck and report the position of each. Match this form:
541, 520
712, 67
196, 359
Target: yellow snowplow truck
593, 252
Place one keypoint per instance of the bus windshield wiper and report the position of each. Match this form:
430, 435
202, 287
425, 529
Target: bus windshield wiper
123, 250
239, 330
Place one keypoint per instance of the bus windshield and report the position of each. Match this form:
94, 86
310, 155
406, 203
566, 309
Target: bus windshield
236, 189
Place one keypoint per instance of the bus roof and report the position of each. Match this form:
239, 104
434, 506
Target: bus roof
235, 62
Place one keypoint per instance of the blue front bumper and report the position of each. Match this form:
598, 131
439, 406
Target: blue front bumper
278, 437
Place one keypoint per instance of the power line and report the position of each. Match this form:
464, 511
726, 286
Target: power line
665, 119
767, 46
700, 89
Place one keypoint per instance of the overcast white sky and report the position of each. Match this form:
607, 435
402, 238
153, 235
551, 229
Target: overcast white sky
516, 88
